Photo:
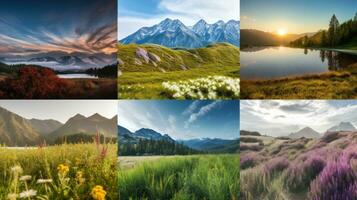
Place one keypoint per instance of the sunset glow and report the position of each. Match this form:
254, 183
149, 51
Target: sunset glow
281, 31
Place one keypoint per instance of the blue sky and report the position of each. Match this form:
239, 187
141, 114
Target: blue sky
135, 14
28, 27
182, 119
280, 118
296, 16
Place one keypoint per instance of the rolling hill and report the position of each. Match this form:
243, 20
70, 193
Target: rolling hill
343, 126
213, 145
156, 58
306, 132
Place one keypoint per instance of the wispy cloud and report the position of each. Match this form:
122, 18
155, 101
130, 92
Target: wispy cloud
201, 112
193, 106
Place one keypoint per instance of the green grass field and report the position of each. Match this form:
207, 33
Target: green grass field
211, 177
58, 172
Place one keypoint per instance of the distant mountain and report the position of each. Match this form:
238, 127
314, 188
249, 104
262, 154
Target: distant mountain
45, 127
343, 126
306, 132
252, 37
173, 34
81, 124
213, 145
16, 130
126, 136
251, 133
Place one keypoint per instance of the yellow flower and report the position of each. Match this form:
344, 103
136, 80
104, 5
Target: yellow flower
79, 178
62, 169
98, 193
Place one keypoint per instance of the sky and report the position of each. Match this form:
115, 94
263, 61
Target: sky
42, 26
60, 110
295, 16
135, 14
280, 118
182, 119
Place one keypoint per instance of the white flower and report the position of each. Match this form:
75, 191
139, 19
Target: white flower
28, 193
39, 181
25, 178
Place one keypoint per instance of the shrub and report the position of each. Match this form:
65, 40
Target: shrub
250, 140
276, 165
330, 136
247, 162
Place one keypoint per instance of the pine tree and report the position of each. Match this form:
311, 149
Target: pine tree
333, 31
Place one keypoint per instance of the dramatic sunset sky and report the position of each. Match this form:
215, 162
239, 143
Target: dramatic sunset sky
280, 118
294, 16
182, 119
42, 26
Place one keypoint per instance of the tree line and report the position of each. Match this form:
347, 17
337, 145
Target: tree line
337, 34
155, 147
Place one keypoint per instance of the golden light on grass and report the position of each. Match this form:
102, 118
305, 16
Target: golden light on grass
282, 31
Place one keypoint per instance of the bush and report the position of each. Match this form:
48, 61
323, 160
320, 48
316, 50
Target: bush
250, 140
276, 165
32, 82
330, 136
247, 162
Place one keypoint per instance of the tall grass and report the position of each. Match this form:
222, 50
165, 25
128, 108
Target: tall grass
193, 177
87, 164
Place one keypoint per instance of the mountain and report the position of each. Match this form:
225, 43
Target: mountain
343, 126
152, 57
306, 132
44, 127
16, 130
253, 37
174, 34
213, 145
43, 59
87, 125
126, 136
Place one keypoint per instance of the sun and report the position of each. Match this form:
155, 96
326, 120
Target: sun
281, 31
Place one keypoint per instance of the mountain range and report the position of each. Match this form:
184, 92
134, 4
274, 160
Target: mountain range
343, 126
203, 144
19, 131
62, 61
175, 34
308, 132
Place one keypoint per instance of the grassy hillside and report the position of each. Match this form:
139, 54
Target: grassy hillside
294, 169
181, 178
166, 59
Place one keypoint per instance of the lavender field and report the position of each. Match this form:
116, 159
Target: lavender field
282, 168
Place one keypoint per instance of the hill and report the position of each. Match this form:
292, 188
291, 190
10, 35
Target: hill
214, 145
16, 130
156, 58
343, 126
252, 37
45, 127
87, 125
306, 132
173, 34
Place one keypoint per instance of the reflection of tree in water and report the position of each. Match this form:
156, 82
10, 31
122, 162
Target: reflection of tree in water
306, 51
337, 61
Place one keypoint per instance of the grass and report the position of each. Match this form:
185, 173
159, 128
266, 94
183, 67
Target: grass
148, 85
143, 80
87, 167
330, 85
182, 177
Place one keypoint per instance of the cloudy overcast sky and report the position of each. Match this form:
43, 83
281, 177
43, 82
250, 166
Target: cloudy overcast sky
41, 26
135, 14
280, 118
60, 110
182, 119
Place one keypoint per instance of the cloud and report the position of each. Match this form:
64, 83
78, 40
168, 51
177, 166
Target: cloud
193, 106
187, 11
202, 112
283, 117
248, 19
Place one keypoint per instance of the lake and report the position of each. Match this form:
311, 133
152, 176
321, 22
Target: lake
69, 76
277, 62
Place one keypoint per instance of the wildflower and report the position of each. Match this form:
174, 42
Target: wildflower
28, 193
39, 181
25, 178
16, 169
12, 196
98, 193
79, 178
63, 169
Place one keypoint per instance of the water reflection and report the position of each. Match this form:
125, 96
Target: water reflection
276, 62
